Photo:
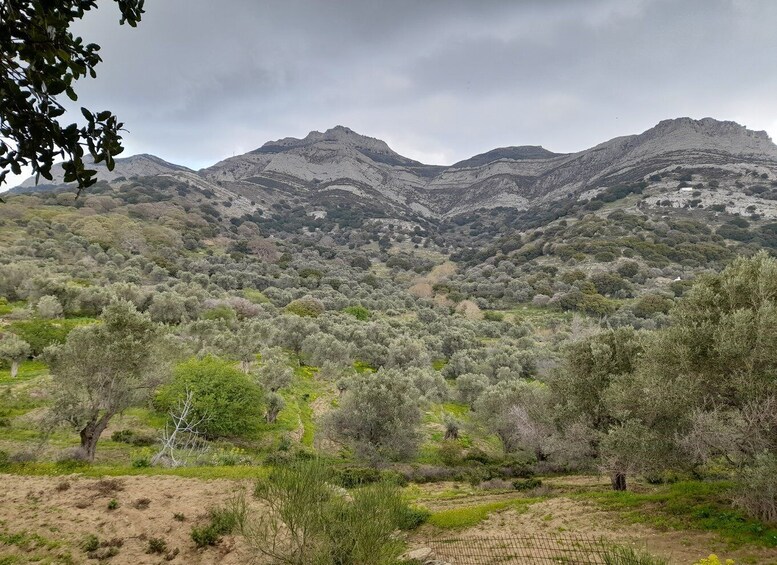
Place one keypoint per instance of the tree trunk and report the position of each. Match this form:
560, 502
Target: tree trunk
90, 435
14, 368
618, 481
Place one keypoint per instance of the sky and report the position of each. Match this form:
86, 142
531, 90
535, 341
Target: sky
439, 80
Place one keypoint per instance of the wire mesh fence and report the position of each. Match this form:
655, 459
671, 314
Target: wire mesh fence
523, 549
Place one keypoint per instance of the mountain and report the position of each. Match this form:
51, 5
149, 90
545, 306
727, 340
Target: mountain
340, 165
142, 165
340, 168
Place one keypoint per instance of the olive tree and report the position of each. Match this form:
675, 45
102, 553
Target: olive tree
378, 416
513, 411
583, 387
49, 307
274, 371
14, 350
103, 369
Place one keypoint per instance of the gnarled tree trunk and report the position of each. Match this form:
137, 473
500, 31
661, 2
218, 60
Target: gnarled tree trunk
618, 481
90, 435
14, 368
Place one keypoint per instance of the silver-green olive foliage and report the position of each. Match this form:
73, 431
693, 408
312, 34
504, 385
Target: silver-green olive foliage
103, 369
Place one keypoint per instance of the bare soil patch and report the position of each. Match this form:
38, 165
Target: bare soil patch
64, 510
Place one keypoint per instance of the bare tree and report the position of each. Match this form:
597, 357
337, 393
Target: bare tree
181, 439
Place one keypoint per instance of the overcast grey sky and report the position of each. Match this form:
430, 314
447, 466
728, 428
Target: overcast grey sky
200, 80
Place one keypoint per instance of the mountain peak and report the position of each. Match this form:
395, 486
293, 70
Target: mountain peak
705, 126
340, 136
513, 153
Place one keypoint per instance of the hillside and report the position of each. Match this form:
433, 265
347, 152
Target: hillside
326, 301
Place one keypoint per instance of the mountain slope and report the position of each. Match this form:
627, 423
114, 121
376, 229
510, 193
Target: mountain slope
142, 165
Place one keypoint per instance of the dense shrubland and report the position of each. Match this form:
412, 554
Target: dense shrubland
608, 342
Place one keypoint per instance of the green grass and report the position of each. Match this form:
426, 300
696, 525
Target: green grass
236, 472
694, 505
468, 516
146, 417
537, 314
28, 370
27, 541
457, 409
8, 307
307, 390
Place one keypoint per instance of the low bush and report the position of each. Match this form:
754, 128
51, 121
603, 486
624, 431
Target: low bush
133, 438
310, 521
527, 484
222, 520
620, 555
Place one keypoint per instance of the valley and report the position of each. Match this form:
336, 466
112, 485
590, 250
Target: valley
524, 341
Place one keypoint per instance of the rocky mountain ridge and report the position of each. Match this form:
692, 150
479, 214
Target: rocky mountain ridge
340, 167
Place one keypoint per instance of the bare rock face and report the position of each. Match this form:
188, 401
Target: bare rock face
340, 168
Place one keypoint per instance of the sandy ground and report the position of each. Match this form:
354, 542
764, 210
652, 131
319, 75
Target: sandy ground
147, 508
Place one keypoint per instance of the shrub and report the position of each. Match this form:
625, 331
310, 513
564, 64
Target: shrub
310, 522
350, 477
757, 488
492, 316
132, 438
620, 555
527, 484
358, 312
222, 520
156, 545
227, 399
648, 305
450, 453
306, 306
411, 517
90, 543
